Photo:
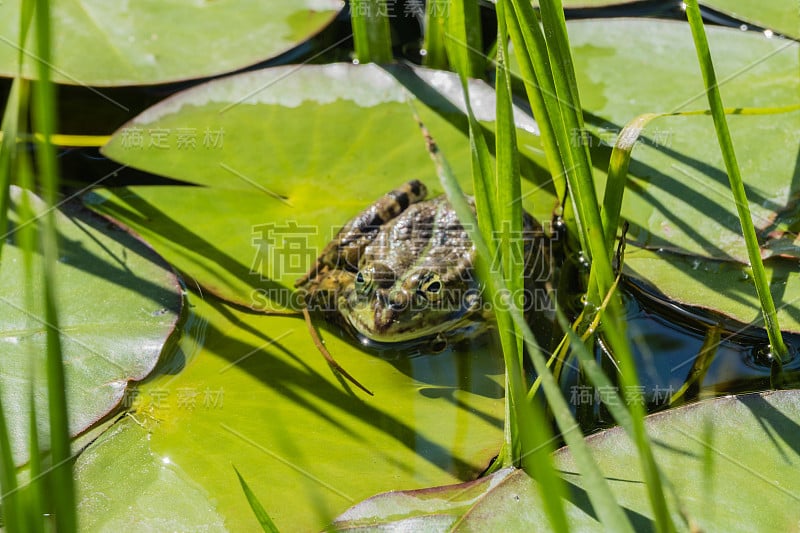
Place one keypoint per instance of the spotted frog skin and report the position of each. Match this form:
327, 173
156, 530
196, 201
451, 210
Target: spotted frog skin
402, 271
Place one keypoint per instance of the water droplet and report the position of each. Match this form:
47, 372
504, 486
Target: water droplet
423, 52
743, 27
768, 34
695, 264
355, 61
763, 355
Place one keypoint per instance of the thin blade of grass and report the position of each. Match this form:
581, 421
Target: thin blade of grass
536, 441
700, 367
576, 154
44, 113
463, 41
371, 33
509, 192
618, 172
566, 117
535, 89
14, 510
434, 41
8, 153
779, 349
633, 424
261, 514
611, 514
32, 494
486, 198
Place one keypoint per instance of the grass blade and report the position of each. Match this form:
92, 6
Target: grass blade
600, 495
261, 515
463, 41
14, 509
371, 34
779, 349
565, 115
435, 29
44, 113
535, 89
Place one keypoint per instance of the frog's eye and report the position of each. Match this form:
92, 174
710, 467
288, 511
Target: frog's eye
430, 286
363, 281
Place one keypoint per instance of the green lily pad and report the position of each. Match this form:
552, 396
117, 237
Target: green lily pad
721, 286
253, 390
298, 152
678, 195
781, 16
121, 482
678, 198
158, 42
118, 304
626, 67
731, 462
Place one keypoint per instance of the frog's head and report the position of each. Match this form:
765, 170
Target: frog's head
425, 301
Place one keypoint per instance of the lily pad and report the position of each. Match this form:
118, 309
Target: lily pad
678, 194
678, 198
298, 152
781, 16
744, 483
118, 303
121, 482
721, 286
156, 42
253, 390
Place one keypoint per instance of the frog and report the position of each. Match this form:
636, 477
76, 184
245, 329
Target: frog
402, 272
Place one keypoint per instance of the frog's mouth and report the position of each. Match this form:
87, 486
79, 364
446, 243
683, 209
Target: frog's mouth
452, 331
389, 326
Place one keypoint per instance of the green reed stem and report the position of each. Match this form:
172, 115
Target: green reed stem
44, 114
463, 41
737, 184
556, 76
258, 510
434, 40
371, 33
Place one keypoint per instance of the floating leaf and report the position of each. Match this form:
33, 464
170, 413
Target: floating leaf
253, 389
156, 42
721, 286
712, 473
118, 304
289, 153
122, 482
678, 198
782, 16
